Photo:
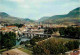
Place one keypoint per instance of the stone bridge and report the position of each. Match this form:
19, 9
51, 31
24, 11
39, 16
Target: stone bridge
31, 35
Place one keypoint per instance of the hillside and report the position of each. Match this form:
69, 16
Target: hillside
42, 19
72, 17
28, 20
6, 18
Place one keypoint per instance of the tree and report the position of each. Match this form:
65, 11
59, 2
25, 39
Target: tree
62, 31
8, 40
55, 46
72, 45
18, 25
0, 38
40, 50
48, 30
70, 32
35, 39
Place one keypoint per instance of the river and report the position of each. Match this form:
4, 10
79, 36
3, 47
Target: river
22, 39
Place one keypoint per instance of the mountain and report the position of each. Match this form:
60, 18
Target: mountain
43, 18
6, 18
72, 17
74, 13
3, 14
28, 20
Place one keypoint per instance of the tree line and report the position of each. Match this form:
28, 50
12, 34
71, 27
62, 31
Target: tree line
16, 24
49, 30
70, 32
66, 32
7, 40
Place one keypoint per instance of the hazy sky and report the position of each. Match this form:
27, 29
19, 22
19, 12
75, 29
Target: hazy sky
35, 9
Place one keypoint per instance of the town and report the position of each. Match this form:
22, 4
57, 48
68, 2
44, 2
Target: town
39, 27
28, 35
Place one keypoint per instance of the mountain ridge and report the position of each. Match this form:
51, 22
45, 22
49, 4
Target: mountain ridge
72, 16
4, 17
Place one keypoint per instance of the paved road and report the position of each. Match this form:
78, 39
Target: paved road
14, 52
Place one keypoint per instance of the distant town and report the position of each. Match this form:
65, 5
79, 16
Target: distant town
29, 35
39, 27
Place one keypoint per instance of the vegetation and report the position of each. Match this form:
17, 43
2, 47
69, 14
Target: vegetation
16, 24
70, 32
48, 30
66, 32
7, 40
36, 39
72, 45
25, 42
2, 50
72, 17
55, 46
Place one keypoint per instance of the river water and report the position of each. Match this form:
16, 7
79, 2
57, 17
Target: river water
22, 39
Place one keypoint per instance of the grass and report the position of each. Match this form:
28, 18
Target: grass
2, 50
26, 51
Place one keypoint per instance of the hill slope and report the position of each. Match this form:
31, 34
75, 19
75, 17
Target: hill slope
4, 17
72, 17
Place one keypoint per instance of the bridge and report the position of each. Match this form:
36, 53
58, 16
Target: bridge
31, 35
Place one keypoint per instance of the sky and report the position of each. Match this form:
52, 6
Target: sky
35, 9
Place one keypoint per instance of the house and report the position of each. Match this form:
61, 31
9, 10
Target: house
3, 29
1, 26
12, 27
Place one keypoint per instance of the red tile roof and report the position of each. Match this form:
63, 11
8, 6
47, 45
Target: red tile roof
10, 26
75, 53
3, 29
